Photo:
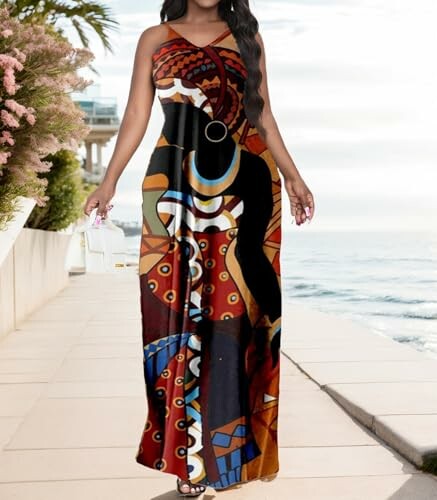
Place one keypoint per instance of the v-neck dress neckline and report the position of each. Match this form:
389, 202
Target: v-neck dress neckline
217, 39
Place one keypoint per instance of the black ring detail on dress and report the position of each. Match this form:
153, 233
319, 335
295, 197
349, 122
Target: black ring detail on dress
221, 138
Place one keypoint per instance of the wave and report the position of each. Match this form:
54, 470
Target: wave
407, 315
390, 299
410, 339
347, 294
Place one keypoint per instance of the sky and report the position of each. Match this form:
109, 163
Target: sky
352, 86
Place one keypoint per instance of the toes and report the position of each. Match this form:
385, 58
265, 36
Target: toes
184, 487
197, 489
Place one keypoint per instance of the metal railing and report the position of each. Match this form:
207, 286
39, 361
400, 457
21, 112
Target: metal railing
99, 110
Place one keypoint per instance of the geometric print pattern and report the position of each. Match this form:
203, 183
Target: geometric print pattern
209, 274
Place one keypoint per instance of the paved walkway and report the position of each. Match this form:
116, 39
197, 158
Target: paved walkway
72, 408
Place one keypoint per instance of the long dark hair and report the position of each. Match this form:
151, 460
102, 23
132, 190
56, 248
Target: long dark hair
244, 26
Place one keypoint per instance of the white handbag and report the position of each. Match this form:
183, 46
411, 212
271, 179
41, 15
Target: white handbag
98, 246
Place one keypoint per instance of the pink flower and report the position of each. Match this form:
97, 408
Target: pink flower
36, 123
19, 55
4, 155
17, 108
11, 62
6, 137
9, 81
30, 119
8, 119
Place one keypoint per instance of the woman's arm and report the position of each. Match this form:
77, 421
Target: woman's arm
301, 198
134, 123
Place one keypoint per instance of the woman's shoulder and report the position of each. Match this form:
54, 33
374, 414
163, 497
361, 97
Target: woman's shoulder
153, 36
155, 32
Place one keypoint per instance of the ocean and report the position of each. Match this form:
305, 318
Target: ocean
386, 281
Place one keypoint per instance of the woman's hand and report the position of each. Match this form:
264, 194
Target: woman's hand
301, 200
100, 198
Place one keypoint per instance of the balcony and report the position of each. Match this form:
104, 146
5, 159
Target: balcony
99, 110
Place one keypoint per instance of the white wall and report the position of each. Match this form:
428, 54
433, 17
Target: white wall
33, 272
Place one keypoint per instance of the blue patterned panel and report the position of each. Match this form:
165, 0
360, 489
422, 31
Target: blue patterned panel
221, 439
251, 451
229, 466
239, 431
178, 195
194, 394
157, 354
176, 340
236, 458
221, 464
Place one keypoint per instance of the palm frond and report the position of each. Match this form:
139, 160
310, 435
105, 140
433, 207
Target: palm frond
81, 14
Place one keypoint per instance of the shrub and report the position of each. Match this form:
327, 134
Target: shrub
38, 70
66, 193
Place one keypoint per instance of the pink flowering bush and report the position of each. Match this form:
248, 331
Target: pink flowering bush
38, 71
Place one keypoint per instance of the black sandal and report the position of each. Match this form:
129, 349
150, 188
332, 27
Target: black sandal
195, 489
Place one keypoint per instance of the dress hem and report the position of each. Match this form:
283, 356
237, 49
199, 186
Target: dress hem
229, 487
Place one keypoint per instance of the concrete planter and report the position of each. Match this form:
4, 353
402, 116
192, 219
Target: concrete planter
9, 235
33, 272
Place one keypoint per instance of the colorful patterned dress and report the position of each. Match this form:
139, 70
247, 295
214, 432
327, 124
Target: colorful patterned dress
209, 272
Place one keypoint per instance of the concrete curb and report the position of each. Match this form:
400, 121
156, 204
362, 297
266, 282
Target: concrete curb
388, 387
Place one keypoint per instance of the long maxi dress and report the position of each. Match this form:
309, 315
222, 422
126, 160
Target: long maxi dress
209, 272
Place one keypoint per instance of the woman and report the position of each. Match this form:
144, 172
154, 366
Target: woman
209, 267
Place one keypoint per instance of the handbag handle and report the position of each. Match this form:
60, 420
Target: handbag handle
98, 219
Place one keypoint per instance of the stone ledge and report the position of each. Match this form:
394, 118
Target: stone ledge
389, 387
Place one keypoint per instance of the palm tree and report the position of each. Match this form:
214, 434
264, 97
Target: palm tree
80, 13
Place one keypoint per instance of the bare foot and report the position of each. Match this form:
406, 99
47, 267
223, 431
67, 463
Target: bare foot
186, 487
